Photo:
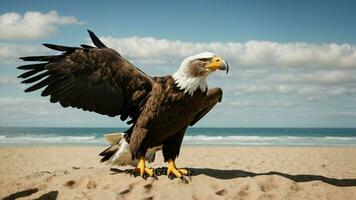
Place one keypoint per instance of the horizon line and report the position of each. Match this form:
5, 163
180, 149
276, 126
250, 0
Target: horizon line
274, 127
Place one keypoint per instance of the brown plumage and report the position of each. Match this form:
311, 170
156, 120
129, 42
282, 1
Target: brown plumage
99, 79
167, 115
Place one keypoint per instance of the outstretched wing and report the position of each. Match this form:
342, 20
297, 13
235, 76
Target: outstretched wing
95, 79
213, 97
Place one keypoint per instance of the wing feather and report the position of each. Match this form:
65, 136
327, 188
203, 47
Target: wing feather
59, 47
30, 73
36, 78
90, 78
40, 84
32, 66
213, 97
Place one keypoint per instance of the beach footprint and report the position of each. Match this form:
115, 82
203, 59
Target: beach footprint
126, 191
85, 182
243, 192
221, 192
267, 185
148, 188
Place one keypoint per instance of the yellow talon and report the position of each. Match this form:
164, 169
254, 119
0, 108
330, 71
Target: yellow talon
183, 171
172, 169
149, 171
142, 169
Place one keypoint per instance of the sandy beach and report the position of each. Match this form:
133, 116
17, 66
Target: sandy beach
218, 173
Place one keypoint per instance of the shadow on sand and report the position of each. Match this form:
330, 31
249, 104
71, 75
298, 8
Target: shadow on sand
234, 173
25, 193
231, 174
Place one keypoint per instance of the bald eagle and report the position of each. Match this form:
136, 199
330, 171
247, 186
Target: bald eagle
159, 109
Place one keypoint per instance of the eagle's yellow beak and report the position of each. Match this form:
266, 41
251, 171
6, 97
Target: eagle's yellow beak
218, 63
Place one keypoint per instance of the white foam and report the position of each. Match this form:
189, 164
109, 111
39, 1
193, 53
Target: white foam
269, 140
79, 137
338, 138
50, 139
191, 140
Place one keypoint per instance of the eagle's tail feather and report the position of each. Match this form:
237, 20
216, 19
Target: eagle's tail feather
113, 138
107, 153
119, 151
106, 157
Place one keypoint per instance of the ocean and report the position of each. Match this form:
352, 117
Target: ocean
19, 136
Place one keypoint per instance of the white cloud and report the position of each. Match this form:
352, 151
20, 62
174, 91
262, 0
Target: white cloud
31, 111
345, 114
324, 76
307, 91
148, 50
263, 88
8, 80
39, 111
10, 53
32, 25
25, 106
262, 54
254, 104
239, 104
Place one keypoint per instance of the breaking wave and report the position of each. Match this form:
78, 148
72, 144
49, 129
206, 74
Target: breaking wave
269, 140
45, 139
188, 140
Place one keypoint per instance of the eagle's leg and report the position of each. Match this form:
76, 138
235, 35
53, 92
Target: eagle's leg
170, 151
172, 169
142, 169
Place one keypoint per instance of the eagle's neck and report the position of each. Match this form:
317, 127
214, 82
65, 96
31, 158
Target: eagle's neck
188, 83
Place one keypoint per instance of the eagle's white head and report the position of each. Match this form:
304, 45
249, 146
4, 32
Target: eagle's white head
194, 70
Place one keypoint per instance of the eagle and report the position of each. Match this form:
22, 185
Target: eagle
158, 110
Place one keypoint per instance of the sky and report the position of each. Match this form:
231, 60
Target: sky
292, 63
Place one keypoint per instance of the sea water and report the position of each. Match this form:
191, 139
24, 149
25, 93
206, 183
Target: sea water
19, 136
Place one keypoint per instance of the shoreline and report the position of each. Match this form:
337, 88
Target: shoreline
323, 137
183, 145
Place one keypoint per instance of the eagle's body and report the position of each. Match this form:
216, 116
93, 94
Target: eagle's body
166, 115
99, 79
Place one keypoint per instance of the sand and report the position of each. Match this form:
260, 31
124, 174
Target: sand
218, 173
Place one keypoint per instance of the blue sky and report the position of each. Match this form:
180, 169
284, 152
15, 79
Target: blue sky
293, 63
